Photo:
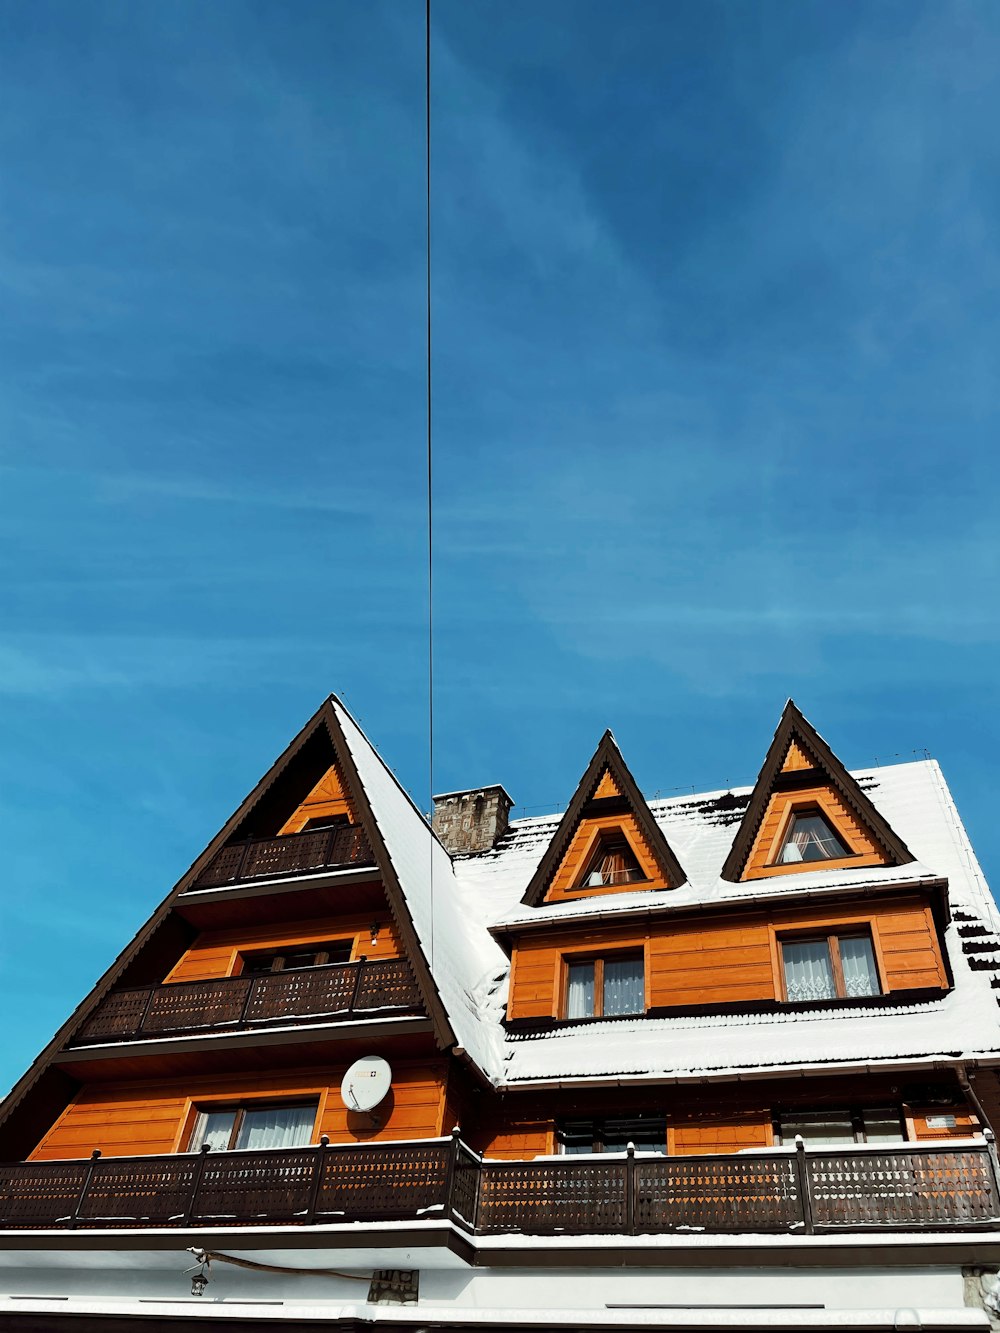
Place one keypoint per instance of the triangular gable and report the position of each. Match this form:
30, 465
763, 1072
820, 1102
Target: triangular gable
607, 804
256, 816
801, 776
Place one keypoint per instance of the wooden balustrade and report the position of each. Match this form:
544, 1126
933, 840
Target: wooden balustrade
294, 853
303, 995
893, 1188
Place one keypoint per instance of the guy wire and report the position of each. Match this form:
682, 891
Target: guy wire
430, 472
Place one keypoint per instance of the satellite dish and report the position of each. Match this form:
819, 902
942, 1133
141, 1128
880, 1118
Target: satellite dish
366, 1083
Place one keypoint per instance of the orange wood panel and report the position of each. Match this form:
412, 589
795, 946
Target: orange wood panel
966, 1123
518, 1141
726, 1133
328, 797
864, 850
137, 1119
606, 787
722, 960
796, 759
215, 952
566, 881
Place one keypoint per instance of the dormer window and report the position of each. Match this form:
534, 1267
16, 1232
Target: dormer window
810, 838
613, 862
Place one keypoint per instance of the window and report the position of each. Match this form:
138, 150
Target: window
882, 1124
810, 838
613, 862
605, 987
831, 967
648, 1133
278, 1126
287, 960
319, 822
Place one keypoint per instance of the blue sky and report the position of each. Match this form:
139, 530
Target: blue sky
716, 336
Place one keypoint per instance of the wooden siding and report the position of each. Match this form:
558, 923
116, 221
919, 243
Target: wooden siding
727, 959
135, 1119
966, 1123
215, 953
566, 881
796, 758
726, 1133
328, 797
864, 850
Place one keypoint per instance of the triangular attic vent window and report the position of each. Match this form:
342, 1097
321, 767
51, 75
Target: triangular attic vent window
607, 841
807, 812
613, 862
810, 838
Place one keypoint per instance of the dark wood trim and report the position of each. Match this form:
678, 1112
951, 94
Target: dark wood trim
793, 726
607, 755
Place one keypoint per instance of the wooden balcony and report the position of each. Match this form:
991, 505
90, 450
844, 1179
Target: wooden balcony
232, 1004
902, 1188
293, 854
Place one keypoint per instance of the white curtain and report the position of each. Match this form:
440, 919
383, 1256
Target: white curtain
213, 1128
277, 1127
808, 973
623, 989
858, 961
580, 999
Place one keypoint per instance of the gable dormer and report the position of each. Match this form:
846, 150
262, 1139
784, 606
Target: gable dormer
807, 813
607, 841
326, 806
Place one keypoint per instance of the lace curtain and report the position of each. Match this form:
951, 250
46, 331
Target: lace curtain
266, 1127
858, 961
580, 999
808, 972
623, 989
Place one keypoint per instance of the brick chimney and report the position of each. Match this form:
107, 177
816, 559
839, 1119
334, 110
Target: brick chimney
471, 821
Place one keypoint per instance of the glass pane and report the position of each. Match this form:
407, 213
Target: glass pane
580, 994
808, 972
213, 1128
623, 989
810, 838
883, 1125
614, 863
834, 1127
858, 961
277, 1127
647, 1135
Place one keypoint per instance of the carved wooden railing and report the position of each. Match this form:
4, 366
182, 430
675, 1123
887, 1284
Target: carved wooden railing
305, 995
265, 858
894, 1188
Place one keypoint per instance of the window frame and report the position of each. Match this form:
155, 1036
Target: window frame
599, 1126
320, 948
240, 1109
811, 804
605, 844
805, 811
599, 959
855, 1113
831, 937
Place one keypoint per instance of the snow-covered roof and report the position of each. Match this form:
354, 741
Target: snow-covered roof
455, 904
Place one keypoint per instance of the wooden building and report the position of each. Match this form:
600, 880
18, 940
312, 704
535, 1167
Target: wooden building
721, 1061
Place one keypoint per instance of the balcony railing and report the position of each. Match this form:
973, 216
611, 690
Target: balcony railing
305, 995
265, 858
786, 1191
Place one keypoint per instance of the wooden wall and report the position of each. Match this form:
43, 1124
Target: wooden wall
723, 960
134, 1119
215, 952
864, 850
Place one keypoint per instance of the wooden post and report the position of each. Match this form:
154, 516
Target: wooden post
145, 1010
449, 1179
319, 1164
805, 1196
199, 1171
359, 964
241, 1021
84, 1187
630, 1189
991, 1152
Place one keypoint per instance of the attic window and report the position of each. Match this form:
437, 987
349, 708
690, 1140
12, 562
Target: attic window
613, 862
810, 838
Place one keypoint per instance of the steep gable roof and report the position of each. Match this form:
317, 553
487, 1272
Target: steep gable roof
798, 749
333, 733
608, 787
